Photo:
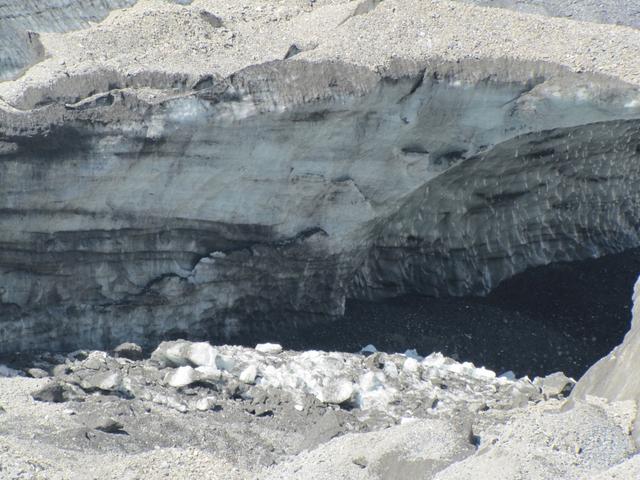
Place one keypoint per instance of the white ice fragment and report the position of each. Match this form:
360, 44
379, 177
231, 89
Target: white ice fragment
249, 374
466, 368
208, 373
369, 381
434, 360
407, 420
483, 374
509, 375
269, 348
176, 404
336, 391
180, 377
8, 372
174, 354
410, 365
369, 349
225, 362
412, 353
182, 353
204, 404
107, 382
377, 399
298, 407
202, 354
390, 369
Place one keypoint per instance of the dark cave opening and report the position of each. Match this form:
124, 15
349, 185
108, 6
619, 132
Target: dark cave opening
559, 317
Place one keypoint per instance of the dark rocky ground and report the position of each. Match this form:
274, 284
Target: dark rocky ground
561, 317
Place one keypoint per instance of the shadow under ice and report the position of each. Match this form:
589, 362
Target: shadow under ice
563, 316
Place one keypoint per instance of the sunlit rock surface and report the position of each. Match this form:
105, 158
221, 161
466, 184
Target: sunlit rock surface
151, 192
615, 377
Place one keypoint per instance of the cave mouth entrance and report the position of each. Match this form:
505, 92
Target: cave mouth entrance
559, 317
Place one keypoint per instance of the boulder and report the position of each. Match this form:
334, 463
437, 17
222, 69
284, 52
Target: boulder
106, 381
555, 385
37, 373
58, 392
128, 350
181, 353
106, 425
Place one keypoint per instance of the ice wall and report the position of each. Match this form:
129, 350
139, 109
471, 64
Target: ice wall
290, 185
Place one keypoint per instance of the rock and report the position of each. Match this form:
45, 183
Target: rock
37, 373
556, 385
361, 461
269, 348
82, 355
260, 411
211, 19
234, 390
95, 362
129, 350
61, 370
107, 425
58, 392
105, 381
204, 404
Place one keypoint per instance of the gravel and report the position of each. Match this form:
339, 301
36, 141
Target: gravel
156, 36
445, 418
620, 12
